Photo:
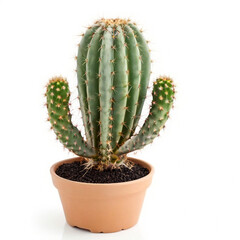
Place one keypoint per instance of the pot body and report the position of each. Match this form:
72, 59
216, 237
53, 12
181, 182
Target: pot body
108, 207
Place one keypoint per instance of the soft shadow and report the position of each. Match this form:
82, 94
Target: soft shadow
74, 233
50, 221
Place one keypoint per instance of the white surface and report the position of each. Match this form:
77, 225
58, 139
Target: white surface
196, 188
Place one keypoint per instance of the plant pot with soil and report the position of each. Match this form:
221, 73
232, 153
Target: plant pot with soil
102, 190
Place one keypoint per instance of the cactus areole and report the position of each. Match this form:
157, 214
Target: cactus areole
113, 71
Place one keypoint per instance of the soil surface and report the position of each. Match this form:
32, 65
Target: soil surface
76, 171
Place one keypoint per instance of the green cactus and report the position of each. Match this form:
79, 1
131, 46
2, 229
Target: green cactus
113, 69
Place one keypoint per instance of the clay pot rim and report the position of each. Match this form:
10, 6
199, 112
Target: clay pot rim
139, 161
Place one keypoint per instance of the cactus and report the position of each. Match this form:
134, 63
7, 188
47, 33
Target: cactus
113, 70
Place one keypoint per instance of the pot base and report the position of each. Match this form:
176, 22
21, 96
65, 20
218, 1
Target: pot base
102, 230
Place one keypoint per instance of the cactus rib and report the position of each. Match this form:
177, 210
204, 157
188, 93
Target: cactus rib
120, 90
145, 72
105, 92
92, 71
134, 68
82, 78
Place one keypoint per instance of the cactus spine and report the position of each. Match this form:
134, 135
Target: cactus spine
113, 69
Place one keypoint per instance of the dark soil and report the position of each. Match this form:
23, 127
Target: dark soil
76, 171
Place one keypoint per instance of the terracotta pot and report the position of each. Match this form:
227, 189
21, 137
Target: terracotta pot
107, 207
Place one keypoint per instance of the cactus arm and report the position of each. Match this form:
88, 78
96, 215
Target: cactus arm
145, 72
163, 94
60, 118
81, 74
92, 69
134, 68
120, 83
105, 91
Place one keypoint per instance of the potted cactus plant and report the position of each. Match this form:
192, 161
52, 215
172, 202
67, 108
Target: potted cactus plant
113, 70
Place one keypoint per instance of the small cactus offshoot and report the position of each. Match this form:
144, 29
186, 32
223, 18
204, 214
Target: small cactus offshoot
113, 70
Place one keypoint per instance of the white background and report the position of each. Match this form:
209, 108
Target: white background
195, 192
